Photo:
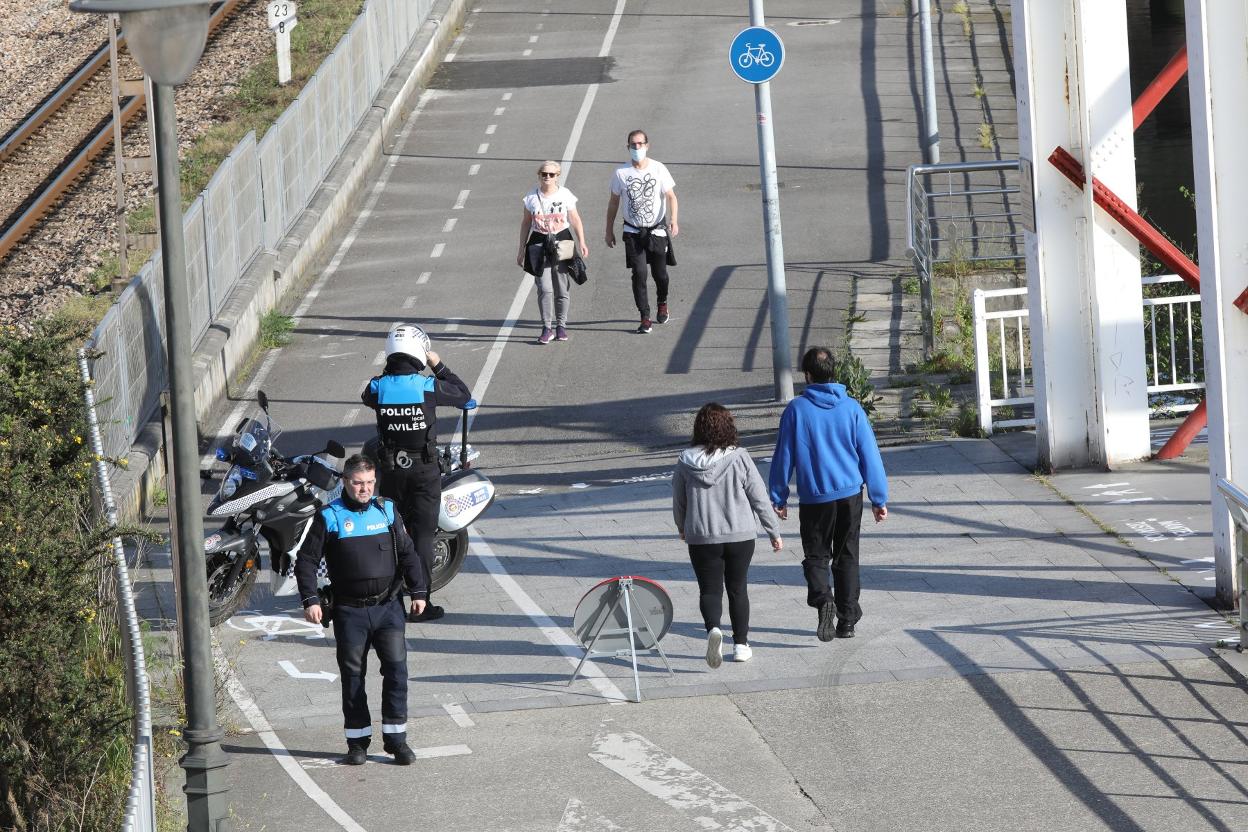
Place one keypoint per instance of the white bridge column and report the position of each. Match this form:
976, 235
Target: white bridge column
1083, 272
1217, 50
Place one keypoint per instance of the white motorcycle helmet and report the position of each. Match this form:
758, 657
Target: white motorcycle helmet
409, 340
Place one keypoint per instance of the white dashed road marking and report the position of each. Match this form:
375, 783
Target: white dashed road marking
456, 712
437, 250
462, 199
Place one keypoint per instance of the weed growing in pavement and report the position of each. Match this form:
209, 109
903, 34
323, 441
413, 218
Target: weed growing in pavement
987, 135
275, 329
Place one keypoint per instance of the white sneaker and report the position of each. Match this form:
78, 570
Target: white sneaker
714, 643
741, 652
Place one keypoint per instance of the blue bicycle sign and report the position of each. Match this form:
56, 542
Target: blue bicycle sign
756, 54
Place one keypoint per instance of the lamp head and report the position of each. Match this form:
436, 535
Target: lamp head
166, 37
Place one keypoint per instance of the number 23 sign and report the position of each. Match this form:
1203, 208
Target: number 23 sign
282, 15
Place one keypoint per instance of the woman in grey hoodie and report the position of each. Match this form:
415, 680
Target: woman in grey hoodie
718, 498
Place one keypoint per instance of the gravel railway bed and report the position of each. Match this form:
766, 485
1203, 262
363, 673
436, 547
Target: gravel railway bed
55, 261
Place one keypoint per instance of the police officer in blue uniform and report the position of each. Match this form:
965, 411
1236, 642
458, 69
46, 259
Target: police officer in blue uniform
370, 558
406, 403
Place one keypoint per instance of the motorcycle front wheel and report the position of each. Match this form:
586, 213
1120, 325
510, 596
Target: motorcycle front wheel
226, 596
449, 551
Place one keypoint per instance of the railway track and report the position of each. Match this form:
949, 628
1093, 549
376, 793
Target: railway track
57, 141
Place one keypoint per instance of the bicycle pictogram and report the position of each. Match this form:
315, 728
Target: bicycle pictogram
755, 55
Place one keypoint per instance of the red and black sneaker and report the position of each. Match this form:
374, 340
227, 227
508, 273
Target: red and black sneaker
645, 327
663, 317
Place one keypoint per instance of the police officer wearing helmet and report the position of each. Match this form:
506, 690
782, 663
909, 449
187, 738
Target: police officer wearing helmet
369, 557
406, 403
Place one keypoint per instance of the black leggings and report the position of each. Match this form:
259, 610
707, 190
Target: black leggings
716, 564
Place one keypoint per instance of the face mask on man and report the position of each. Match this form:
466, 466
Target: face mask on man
638, 153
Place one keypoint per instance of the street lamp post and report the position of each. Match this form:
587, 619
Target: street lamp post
167, 37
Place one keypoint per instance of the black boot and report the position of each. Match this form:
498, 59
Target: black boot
403, 755
357, 755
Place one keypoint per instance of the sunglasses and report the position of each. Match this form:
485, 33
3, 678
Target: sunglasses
545, 174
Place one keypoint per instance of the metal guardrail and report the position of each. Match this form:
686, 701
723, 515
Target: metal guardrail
968, 212
1237, 504
1001, 354
140, 812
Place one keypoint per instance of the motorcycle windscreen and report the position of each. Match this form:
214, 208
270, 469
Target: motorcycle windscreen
463, 501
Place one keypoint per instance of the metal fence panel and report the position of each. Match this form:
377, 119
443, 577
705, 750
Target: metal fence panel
220, 244
142, 308
377, 66
356, 70
272, 191
292, 170
308, 116
110, 385
248, 210
197, 268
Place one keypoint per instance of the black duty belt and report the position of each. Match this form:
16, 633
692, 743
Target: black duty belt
367, 601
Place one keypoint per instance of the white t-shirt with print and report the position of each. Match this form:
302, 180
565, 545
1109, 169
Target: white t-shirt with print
550, 213
642, 194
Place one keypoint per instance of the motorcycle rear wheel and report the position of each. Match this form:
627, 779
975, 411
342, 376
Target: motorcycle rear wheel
224, 601
449, 551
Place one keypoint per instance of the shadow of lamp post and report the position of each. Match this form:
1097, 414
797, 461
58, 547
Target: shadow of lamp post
167, 38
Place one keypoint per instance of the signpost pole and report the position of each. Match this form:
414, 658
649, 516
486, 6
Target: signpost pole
777, 294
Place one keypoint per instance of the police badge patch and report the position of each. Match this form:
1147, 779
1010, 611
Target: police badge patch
348, 526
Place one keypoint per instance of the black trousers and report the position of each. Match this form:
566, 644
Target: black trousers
639, 259
716, 564
830, 537
416, 492
380, 628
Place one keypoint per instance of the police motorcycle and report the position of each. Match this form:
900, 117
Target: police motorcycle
466, 493
263, 496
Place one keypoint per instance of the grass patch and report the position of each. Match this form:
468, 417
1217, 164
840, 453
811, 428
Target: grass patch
978, 91
275, 329
910, 286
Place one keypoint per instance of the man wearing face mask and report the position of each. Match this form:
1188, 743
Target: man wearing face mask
650, 211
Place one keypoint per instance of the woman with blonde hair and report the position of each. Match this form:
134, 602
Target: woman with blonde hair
718, 499
546, 247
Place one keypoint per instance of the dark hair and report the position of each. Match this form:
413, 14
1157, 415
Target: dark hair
358, 462
641, 133
714, 428
819, 364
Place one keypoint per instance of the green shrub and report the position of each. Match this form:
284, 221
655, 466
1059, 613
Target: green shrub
857, 380
64, 725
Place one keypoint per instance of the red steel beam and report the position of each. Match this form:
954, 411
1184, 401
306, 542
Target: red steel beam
1166, 252
1192, 425
1138, 227
1170, 74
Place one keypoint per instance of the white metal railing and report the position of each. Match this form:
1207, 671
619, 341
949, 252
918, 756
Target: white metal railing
140, 812
1012, 342
1237, 505
1003, 347
1172, 317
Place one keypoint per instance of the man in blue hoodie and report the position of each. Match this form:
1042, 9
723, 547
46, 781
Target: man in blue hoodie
825, 435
